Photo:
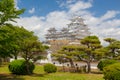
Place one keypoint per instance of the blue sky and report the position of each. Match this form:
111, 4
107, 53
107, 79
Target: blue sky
43, 7
101, 16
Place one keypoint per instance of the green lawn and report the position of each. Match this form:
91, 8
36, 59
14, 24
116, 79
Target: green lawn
39, 74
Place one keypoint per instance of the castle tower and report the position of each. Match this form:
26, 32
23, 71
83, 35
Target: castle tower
78, 29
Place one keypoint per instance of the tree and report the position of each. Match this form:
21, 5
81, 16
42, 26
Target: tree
101, 53
8, 12
5, 41
68, 54
16, 40
23, 41
31, 49
85, 53
11, 40
114, 47
112, 72
109, 40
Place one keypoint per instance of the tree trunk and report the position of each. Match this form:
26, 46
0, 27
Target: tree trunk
71, 63
88, 67
27, 63
0, 61
63, 67
15, 57
27, 66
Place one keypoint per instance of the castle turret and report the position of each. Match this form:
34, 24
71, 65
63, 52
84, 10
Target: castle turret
78, 29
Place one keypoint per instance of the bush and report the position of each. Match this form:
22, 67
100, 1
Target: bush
112, 72
20, 67
104, 63
50, 68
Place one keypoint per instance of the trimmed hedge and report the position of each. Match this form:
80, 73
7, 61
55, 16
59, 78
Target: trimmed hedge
20, 67
104, 63
112, 72
50, 68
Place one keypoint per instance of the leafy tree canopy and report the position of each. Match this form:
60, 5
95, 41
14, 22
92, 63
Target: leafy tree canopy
8, 12
110, 40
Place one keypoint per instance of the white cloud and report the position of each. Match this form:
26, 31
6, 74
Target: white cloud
103, 26
40, 24
80, 5
109, 15
108, 27
31, 11
57, 19
65, 3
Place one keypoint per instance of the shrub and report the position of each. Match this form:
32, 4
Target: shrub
20, 67
112, 72
104, 63
50, 68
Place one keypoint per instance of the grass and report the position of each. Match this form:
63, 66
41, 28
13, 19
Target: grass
39, 74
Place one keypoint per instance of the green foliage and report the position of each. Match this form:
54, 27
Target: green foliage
104, 63
114, 47
67, 54
101, 53
31, 48
50, 68
115, 44
112, 72
83, 52
14, 40
91, 42
11, 38
20, 67
8, 11
110, 40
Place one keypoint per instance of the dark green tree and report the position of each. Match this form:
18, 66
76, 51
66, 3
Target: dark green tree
86, 53
101, 53
31, 49
110, 40
114, 48
67, 53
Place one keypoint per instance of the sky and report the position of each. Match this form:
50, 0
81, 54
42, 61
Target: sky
101, 16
